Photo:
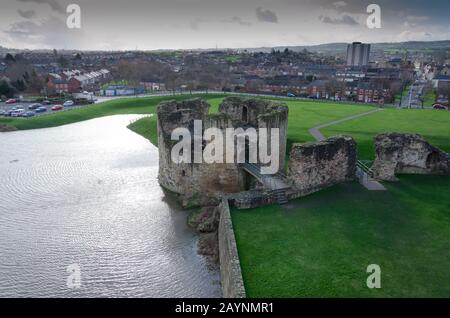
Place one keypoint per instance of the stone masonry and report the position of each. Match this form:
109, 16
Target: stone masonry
315, 166
407, 153
202, 184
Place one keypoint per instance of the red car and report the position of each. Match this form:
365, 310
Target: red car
57, 108
11, 101
440, 106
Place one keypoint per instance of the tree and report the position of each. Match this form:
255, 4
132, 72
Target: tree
310, 78
19, 85
63, 62
9, 59
35, 83
334, 86
6, 88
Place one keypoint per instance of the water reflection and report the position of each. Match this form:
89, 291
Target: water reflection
87, 194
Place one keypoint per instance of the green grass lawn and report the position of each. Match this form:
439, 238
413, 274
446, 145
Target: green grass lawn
430, 98
433, 125
147, 127
321, 245
303, 115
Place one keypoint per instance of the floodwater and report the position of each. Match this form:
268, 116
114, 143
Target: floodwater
82, 215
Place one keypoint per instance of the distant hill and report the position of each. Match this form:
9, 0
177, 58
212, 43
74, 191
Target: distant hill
329, 48
4, 51
342, 47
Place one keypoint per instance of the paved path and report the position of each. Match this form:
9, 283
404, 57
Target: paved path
363, 177
315, 132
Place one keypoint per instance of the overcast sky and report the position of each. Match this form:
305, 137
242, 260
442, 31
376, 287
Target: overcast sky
184, 24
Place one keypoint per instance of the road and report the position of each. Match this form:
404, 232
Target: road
411, 100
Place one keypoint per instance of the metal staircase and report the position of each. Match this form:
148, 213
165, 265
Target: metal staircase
277, 183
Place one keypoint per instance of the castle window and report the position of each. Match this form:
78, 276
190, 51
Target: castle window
183, 173
245, 114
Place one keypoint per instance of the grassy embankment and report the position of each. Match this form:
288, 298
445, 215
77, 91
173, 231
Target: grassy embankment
432, 124
302, 116
144, 105
321, 245
322, 249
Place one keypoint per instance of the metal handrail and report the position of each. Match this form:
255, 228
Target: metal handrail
364, 168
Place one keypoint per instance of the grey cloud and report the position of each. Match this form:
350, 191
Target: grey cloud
51, 32
349, 6
239, 21
344, 20
194, 25
54, 4
27, 14
266, 15
340, 4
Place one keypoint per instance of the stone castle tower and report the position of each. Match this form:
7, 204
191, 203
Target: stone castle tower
202, 183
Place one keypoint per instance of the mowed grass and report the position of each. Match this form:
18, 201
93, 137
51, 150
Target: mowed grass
432, 124
324, 243
303, 115
142, 105
147, 126
321, 245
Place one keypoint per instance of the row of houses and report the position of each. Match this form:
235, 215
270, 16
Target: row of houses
75, 81
364, 92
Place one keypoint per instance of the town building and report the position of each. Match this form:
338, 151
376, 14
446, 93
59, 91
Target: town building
441, 82
75, 81
358, 54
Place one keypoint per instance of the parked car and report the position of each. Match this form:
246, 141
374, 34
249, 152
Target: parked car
440, 107
69, 103
291, 95
46, 102
11, 101
28, 114
57, 108
34, 106
2, 113
41, 109
17, 112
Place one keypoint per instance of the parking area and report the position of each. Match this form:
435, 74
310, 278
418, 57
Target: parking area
22, 109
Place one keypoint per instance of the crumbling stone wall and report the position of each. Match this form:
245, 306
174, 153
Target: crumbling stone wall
196, 184
204, 184
244, 110
315, 166
259, 113
277, 117
407, 153
230, 266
